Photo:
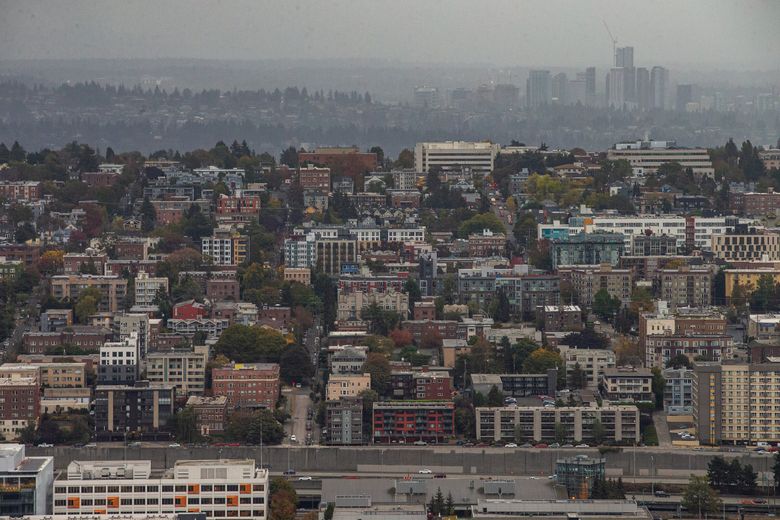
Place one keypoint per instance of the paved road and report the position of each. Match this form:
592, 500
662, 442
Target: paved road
662, 429
299, 403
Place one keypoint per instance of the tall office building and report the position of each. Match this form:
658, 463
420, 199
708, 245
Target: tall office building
590, 86
624, 58
642, 88
538, 89
616, 87
559, 89
659, 81
576, 91
684, 96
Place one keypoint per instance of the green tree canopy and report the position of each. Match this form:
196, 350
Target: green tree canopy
245, 344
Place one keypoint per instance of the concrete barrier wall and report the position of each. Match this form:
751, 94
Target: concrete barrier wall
477, 461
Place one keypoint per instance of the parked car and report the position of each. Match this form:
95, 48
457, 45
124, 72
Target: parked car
289, 472
420, 443
510, 445
425, 472
45, 445
304, 478
661, 493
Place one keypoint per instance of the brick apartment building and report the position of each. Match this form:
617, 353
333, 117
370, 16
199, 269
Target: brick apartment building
410, 421
247, 385
20, 404
311, 177
346, 162
20, 190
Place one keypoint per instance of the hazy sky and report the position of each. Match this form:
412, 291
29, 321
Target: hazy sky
710, 33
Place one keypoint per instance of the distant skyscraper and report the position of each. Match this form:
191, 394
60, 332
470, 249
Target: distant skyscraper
538, 90
426, 97
616, 87
684, 96
643, 88
559, 84
575, 91
659, 85
624, 57
590, 86
506, 95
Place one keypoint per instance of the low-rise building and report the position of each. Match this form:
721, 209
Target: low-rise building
432, 386
660, 348
349, 360
211, 413
587, 249
678, 391
517, 385
686, 287
52, 374
347, 385
247, 385
592, 362
562, 318
627, 384
587, 281
486, 243
216, 488
25, 482
147, 287
344, 422
537, 423
141, 408
183, 368
409, 421
300, 275
113, 289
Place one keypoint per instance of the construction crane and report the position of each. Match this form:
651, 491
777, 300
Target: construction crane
614, 43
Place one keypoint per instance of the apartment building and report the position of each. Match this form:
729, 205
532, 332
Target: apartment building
223, 289
119, 362
344, 422
332, 253
562, 318
686, 287
183, 368
247, 385
592, 362
409, 421
76, 263
352, 304
342, 386
113, 289
538, 424
486, 243
432, 386
21, 190
645, 157
217, 488
745, 244
752, 204
516, 385
225, 247
737, 402
407, 179
627, 384
49, 375
587, 281
343, 161
25, 482
660, 348
678, 391
349, 360
654, 245
211, 327
300, 275
588, 249
747, 279
478, 157
20, 404
142, 408
147, 287
311, 177
211, 413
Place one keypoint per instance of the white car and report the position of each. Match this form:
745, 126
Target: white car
304, 478
510, 445
582, 446
45, 445
293, 438
174, 445
425, 472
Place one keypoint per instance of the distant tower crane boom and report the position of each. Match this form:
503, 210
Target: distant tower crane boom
614, 43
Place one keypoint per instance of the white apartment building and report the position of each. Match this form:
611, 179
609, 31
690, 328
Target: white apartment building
129, 324
406, 179
146, 288
455, 155
646, 156
185, 369
416, 235
592, 362
219, 488
212, 327
300, 252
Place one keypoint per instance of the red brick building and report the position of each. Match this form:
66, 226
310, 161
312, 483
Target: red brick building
276, 316
82, 336
20, 404
20, 190
72, 263
131, 249
189, 310
432, 386
118, 267
219, 289
347, 162
410, 421
171, 210
211, 413
311, 177
247, 385
755, 204
100, 179
446, 329
26, 253
404, 198
424, 310
238, 204
487, 243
